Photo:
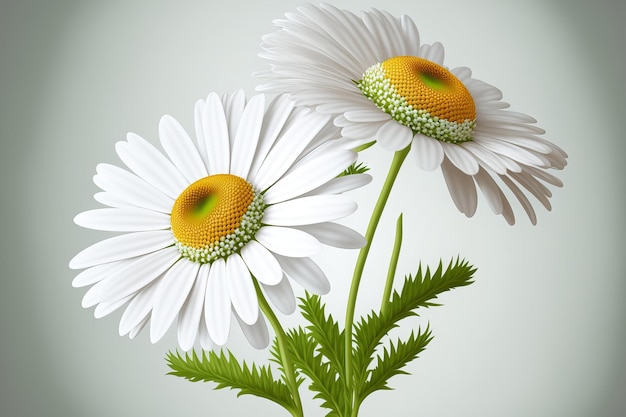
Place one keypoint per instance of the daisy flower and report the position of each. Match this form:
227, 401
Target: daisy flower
248, 203
370, 72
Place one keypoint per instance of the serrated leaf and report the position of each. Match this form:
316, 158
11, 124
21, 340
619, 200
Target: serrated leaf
418, 291
393, 359
355, 168
325, 332
227, 372
324, 378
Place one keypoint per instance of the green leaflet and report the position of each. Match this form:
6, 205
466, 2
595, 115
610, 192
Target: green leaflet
393, 359
226, 371
355, 168
322, 375
325, 331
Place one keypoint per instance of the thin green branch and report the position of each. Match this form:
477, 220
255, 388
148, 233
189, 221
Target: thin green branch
288, 369
398, 159
393, 263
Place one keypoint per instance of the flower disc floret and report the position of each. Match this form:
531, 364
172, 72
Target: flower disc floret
215, 217
423, 96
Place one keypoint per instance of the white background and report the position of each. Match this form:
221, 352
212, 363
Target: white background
541, 333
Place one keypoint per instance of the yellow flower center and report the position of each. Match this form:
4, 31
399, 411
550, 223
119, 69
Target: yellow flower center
216, 216
422, 95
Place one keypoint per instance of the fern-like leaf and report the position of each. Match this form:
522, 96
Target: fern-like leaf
325, 332
324, 379
393, 359
227, 372
418, 291
355, 168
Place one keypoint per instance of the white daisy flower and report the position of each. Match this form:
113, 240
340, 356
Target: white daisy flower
372, 74
250, 201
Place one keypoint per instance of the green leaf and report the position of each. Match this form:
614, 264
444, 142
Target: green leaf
227, 372
323, 376
324, 330
418, 291
393, 359
355, 168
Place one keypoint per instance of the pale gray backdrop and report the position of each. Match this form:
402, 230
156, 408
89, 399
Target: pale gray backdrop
540, 334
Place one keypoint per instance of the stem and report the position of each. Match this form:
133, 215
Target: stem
285, 357
398, 159
393, 263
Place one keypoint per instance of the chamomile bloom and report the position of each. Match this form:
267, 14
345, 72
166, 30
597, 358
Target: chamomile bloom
371, 74
207, 224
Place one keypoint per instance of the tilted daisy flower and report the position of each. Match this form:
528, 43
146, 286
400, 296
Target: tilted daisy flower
248, 202
372, 74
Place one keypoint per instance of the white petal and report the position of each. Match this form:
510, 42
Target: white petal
364, 131
256, 333
131, 189
216, 137
234, 105
123, 219
138, 328
122, 247
366, 115
382, 32
198, 118
97, 273
217, 303
281, 295
150, 164
203, 336
528, 208
110, 200
393, 136
241, 289
262, 264
245, 142
433, 52
306, 273
274, 119
191, 312
461, 187
428, 152
514, 152
507, 211
288, 148
104, 309
411, 35
543, 175
487, 158
490, 190
138, 309
171, 294
288, 242
181, 150
309, 210
336, 235
462, 159
342, 184
133, 277
307, 176
537, 189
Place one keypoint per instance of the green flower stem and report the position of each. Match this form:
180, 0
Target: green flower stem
398, 159
286, 362
393, 263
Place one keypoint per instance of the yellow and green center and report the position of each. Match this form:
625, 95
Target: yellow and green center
422, 95
215, 217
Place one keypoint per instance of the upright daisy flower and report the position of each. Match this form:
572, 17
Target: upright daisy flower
248, 203
370, 72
